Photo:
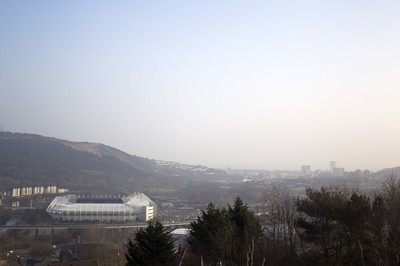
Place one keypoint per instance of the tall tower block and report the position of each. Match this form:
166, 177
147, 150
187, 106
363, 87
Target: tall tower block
332, 166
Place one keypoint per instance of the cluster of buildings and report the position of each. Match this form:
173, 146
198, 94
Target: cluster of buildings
333, 169
27, 191
73, 208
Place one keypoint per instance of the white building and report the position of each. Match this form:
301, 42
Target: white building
27, 191
306, 169
51, 190
16, 192
332, 165
135, 207
337, 171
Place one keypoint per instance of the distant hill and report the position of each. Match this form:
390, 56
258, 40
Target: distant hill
384, 173
29, 160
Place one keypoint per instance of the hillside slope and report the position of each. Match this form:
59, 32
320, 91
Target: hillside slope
29, 160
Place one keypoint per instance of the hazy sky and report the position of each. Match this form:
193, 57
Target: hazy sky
245, 84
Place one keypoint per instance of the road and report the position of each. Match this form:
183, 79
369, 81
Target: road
99, 225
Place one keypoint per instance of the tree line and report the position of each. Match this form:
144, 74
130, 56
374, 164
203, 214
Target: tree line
329, 226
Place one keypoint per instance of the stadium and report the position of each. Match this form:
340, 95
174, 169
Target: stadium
135, 207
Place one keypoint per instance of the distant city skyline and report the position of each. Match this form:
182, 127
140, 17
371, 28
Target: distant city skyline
256, 85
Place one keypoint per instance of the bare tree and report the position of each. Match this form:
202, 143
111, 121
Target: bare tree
279, 224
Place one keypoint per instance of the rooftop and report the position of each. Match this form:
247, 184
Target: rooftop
100, 200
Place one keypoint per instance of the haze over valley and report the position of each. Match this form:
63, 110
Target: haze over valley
29, 160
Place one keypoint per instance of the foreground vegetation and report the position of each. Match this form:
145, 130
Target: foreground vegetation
330, 226
153, 246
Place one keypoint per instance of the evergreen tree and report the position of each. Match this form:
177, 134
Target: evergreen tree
226, 236
211, 235
353, 221
153, 247
247, 230
391, 196
318, 223
341, 228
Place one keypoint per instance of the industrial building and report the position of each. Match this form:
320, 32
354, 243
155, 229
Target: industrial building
135, 207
